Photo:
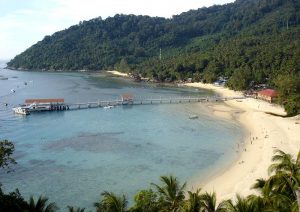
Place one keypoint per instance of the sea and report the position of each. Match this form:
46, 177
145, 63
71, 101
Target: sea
73, 156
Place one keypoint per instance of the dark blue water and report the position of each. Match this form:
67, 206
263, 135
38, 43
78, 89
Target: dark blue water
73, 156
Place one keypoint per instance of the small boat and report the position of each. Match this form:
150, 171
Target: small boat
21, 110
12, 90
193, 117
39, 107
108, 107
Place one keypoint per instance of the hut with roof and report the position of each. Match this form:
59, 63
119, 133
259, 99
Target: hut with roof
268, 95
127, 98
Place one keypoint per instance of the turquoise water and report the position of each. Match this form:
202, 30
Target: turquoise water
73, 156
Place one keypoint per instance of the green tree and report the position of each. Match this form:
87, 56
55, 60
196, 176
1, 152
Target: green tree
12, 202
123, 66
240, 205
41, 205
74, 209
111, 203
210, 203
146, 200
171, 192
279, 191
193, 202
288, 87
240, 79
6, 151
286, 176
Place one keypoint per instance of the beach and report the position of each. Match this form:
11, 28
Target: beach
117, 73
264, 134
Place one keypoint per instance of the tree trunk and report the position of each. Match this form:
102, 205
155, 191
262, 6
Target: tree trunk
298, 197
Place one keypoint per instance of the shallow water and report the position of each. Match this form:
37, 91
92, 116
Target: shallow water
73, 156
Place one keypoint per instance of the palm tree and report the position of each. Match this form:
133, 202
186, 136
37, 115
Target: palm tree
171, 192
286, 179
241, 205
193, 203
41, 205
73, 209
268, 197
146, 200
279, 191
209, 202
285, 163
111, 203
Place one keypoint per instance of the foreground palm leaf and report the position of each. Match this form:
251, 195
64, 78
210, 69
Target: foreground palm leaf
171, 192
73, 209
193, 203
279, 191
209, 202
111, 203
41, 205
241, 205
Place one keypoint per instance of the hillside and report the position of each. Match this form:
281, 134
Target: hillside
248, 41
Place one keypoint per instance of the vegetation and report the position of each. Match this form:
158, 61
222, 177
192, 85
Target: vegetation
289, 92
6, 150
14, 202
249, 46
279, 192
40, 205
111, 202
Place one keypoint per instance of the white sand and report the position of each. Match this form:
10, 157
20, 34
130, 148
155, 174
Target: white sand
265, 134
117, 73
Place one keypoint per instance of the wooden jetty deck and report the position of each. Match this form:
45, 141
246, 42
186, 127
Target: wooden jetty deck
147, 101
38, 105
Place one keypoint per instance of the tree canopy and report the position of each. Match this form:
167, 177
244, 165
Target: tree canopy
6, 150
248, 41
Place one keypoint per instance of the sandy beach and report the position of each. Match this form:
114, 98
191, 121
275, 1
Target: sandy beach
117, 73
265, 133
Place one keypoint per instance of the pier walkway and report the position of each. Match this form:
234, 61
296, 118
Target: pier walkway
147, 101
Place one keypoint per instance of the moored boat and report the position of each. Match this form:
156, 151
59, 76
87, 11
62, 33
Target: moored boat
193, 117
21, 110
108, 107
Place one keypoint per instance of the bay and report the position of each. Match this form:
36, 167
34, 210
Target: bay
73, 156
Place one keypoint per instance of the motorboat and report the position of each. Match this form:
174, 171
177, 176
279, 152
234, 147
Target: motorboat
193, 117
108, 107
21, 110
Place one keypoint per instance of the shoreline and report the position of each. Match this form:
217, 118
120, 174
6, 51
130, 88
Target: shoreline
265, 134
117, 73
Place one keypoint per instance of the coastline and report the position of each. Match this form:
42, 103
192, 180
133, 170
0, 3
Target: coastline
265, 133
117, 73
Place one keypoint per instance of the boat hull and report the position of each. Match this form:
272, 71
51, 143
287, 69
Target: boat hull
21, 111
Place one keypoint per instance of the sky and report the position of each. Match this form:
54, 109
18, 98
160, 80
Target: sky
25, 22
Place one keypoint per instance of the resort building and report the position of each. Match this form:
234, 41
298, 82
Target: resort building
267, 94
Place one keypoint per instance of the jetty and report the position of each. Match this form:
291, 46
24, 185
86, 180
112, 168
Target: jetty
129, 100
33, 105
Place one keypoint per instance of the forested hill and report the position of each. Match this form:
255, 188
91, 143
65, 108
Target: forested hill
248, 41
101, 44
